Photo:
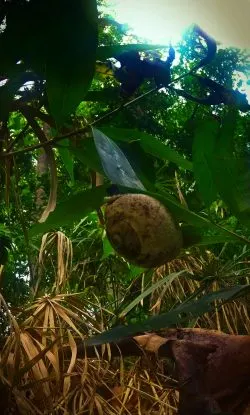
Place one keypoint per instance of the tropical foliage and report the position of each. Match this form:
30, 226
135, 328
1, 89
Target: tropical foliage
88, 111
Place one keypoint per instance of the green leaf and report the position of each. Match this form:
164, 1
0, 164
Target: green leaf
67, 158
190, 309
150, 145
220, 169
166, 280
107, 248
203, 154
85, 151
8, 91
215, 239
134, 271
23, 37
142, 163
195, 236
182, 213
196, 220
71, 55
114, 163
105, 52
211, 47
191, 235
62, 50
72, 210
104, 95
231, 171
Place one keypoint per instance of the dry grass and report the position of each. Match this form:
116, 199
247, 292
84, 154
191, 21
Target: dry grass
36, 378
233, 317
42, 381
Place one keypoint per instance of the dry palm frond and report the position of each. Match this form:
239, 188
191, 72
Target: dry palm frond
232, 317
101, 391
1, 271
43, 380
31, 357
6, 311
57, 244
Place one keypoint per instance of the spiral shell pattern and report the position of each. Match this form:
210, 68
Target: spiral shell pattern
142, 230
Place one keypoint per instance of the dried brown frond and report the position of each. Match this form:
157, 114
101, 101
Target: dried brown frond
57, 248
42, 380
233, 318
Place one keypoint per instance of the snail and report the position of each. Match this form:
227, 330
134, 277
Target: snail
142, 230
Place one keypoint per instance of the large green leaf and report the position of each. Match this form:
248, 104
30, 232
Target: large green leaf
142, 163
107, 248
7, 93
220, 169
72, 210
203, 154
105, 52
231, 171
164, 281
24, 37
150, 145
85, 151
114, 163
71, 54
19, 42
67, 158
190, 309
198, 236
103, 95
58, 42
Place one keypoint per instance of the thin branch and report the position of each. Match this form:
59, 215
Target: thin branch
54, 140
51, 160
35, 113
70, 134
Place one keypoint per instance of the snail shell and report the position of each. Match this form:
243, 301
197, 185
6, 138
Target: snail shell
142, 230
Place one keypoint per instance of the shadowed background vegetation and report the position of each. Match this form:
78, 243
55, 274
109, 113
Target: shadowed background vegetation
61, 281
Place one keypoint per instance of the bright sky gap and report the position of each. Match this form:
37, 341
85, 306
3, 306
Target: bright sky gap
164, 21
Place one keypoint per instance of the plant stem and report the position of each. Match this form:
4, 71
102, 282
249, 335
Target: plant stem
70, 134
